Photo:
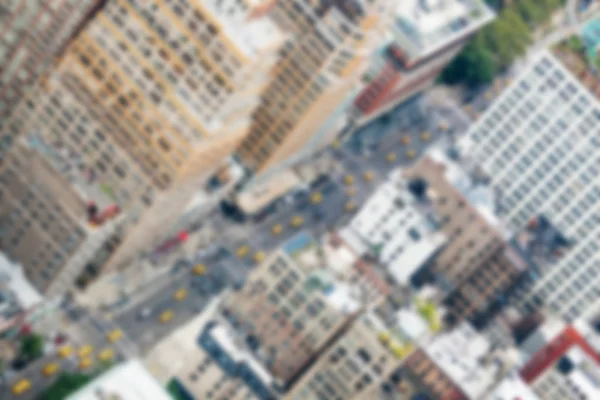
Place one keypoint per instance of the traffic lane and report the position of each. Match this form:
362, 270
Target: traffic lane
40, 382
149, 329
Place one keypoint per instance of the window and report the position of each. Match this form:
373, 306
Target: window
363, 355
414, 234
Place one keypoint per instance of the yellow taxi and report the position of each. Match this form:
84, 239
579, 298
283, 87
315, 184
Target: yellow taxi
368, 176
180, 294
349, 179
296, 221
50, 369
199, 269
349, 206
85, 363
21, 387
316, 198
85, 351
277, 229
259, 256
65, 351
425, 136
405, 140
166, 316
115, 335
410, 154
336, 144
242, 251
106, 355
391, 157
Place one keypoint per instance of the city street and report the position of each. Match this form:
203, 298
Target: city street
361, 164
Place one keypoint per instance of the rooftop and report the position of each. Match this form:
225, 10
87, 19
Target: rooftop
471, 183
15, 286
129, 381
426, 26
459, 353
251, 36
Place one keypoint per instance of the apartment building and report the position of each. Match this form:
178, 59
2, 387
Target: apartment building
456, 365
32, 34
423, 38
464, 207
45, 223
349, 369
539, 146
566, 364
392, 226
145, 103
319, 68
17, 296
293, 306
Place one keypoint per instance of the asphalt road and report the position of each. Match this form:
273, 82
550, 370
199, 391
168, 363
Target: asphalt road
369, 150
90, 330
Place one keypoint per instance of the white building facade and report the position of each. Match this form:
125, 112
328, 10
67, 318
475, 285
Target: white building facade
393, 226
540, 145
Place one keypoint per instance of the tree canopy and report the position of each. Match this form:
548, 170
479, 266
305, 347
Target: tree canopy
65, 385
32, 346
500, 43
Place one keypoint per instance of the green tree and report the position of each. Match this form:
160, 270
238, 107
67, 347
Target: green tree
32, 346
474, 66
508, 37
65, 385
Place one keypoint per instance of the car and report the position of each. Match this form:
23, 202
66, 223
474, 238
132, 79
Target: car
277, 229
296, 221
85, 363
259, 256
106, 355
65, 351
316, 198
21, 387
199, 269
242, 251
321, 180
349, 206
368, 176
166, 316
50, 369
349, 179
85, 351
115, 335
180, 294
391, 157
144, 313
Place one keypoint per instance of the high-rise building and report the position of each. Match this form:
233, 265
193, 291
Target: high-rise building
293, 306
539, 145
357, 362
565, 363
456, 365
32, 34
477, 268
319, 67
425, 36
393, 227
45, 224
144, 104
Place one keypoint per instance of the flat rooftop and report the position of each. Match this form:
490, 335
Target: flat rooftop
426, 26
249, 36
129, 381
